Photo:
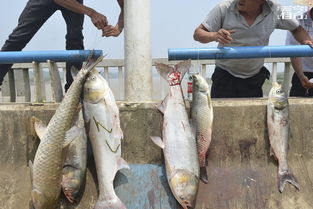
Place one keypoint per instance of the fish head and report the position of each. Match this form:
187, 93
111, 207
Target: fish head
184, 185
199, 83
95, 87
278, 97
71, 185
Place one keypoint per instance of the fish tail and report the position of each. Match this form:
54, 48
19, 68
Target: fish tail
173, 75
204, 175
115, 204
284, 177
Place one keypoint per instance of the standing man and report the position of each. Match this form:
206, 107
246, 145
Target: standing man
301, 86
244, 23
37, 12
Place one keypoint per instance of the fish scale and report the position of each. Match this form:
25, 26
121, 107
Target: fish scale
278, 132
48, 162
202, 120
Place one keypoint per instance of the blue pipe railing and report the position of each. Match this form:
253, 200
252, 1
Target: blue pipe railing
8, 57
240, 52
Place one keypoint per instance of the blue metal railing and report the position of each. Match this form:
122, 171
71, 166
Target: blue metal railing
9, 57
240, 52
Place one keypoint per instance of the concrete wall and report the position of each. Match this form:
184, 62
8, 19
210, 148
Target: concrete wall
241, 173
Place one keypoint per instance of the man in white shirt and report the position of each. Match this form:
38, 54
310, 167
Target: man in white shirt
244, 23
301, 86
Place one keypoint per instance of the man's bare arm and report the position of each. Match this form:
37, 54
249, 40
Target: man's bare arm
204, 36
302, 36
118, 28
99, 20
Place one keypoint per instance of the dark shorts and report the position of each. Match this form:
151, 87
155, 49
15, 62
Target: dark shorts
297, 89
225, 85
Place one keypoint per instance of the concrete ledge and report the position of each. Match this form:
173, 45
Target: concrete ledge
241, 173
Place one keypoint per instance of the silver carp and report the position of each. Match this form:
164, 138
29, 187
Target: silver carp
75, 165
179, 143
202, 120
102, 116
46, 171
278, 132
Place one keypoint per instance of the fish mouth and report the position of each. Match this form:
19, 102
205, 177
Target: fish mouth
184, 186
68, 194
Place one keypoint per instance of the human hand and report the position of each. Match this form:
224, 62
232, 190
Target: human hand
224, 36
99, 20
110, 30
306, 83
308, 42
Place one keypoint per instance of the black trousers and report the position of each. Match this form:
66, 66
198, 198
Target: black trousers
34, 15
225, 85
297, 89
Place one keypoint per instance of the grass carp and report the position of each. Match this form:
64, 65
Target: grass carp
202, 120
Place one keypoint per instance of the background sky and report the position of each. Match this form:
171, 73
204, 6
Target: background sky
172, 26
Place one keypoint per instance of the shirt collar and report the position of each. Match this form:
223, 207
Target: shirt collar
267, 7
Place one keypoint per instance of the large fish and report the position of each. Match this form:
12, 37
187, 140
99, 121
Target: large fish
278, 132
179, 143
102, 116
74, 168
46, 171
202, 120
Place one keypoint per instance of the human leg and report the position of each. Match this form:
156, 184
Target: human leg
74, 39
30, 21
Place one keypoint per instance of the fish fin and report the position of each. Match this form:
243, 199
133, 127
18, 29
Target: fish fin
284, 177
163, 104
31, 205
158, 141
71, 134
38, 196
272, 153
121, 163
183, 67
164, 70
39, 127
74, 71
31, 171
204, 175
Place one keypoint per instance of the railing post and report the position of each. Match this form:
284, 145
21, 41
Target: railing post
274, 72
8, 87
56, 85
287, 77
39, 87
137, 44
120, 83
26, 80
12, 86
203, 70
